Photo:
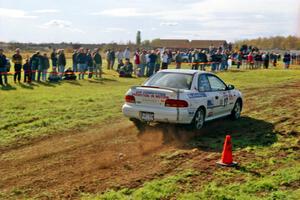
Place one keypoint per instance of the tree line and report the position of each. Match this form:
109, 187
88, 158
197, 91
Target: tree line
271, 43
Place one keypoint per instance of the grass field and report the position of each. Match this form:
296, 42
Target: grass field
266, 141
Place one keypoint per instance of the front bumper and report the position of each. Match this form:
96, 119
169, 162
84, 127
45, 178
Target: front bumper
168, 115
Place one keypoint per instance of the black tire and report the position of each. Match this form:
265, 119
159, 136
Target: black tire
199, 119
236, 111
140, 125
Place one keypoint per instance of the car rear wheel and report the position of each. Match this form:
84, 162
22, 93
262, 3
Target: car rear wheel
199, 119
236, 111
140, 125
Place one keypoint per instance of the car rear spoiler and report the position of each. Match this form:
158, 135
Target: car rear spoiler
156, 87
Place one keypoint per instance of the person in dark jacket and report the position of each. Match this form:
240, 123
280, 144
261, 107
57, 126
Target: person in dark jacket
54, 59
112, 58
127, 69
216, 59
27, 71
266, 60
81, 60
45, 67
287, 60
17, 60
90, 63
74, 60
97, 63
152, 61
69, 74
61, 62
203, 60
34, 63
3, 68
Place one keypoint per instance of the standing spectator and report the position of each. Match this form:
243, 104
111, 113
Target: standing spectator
3, 68
215, 62
257, 58
239, 59
34, 63
137, 62
54, 60
203, 60
89, 63
143, 63
195, 60
61, 62
43, 67
119, 55
112, 58
152, 61
74, 60
287, 60
190, 56
178, 60
127, 53
17, 60
27, 71
224, 61
250, 60
266, 60
107, 55
165, 60
81, 60
158, 61
275, 57
98, 63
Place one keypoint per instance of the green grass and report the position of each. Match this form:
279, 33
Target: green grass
154, 190
33, 110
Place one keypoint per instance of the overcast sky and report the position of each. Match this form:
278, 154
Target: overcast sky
98, 21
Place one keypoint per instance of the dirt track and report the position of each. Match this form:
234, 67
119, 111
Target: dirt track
66, 165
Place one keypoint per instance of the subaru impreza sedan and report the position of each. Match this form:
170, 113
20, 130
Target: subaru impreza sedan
182, 97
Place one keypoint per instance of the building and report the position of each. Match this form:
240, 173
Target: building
183, 44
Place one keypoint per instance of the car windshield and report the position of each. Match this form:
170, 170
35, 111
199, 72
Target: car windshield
171, 80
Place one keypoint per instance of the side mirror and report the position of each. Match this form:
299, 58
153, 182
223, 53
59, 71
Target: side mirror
230, 87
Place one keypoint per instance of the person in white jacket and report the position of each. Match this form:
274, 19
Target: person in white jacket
127, 53
119, 56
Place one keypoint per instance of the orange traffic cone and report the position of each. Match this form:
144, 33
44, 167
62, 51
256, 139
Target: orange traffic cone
227, 154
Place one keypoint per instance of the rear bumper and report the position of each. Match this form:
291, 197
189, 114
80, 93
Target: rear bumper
168, 115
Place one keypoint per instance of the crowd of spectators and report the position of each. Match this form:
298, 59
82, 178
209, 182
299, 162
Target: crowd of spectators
144, 62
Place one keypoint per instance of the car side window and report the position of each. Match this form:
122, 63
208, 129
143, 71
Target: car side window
203, 84
216, 84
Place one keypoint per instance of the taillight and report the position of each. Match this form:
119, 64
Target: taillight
176, 103
129, 99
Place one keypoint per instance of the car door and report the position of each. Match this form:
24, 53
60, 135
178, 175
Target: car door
212, 103
220, 95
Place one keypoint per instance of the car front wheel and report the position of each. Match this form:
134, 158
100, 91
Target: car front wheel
236, 111
199, 119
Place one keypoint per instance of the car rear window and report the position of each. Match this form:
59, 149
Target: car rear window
171, 80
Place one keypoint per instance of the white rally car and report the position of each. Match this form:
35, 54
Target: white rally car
182, 97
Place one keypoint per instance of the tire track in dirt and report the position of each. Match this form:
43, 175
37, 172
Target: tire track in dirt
91, 161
